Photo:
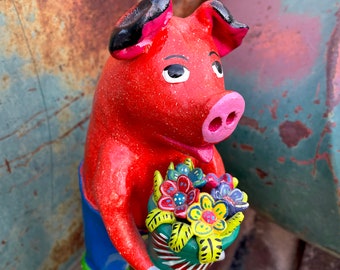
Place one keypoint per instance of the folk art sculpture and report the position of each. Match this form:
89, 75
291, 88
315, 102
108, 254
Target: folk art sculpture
150, 162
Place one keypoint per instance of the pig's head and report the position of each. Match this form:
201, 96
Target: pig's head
168, 80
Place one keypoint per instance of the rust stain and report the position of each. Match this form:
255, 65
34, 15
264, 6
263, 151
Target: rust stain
319, 156
30, 180
77, 125
25, 128
292, 133
247, 147
252, 123
326, 130
326, 156
8, 166
5, 82
26, 158
66, 39
317, 98
64, 248
298, 109
55, 113
281, 159
68, 104
80, 32
262, 174
285, 94
68, 235
302, 162
333, 67
22, 127
273, 109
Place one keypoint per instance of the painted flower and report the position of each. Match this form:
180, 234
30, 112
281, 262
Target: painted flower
195, 175
235, 199
212, 181
177, 196
207, 217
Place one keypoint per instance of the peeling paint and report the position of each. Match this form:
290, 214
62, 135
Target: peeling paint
261, 173
292, 133
247, 147
273, 109
298, 109
252, 123
281, 159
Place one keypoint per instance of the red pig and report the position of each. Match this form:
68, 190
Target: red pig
160, 98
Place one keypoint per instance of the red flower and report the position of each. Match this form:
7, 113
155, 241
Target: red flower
177, 196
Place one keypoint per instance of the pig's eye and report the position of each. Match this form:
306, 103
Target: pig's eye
176, 73
217, 68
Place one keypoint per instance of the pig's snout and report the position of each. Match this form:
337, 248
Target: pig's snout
223, 118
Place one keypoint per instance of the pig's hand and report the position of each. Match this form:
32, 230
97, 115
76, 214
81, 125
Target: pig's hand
113, 196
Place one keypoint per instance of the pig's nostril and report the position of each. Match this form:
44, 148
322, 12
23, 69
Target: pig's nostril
230, 119
215, 124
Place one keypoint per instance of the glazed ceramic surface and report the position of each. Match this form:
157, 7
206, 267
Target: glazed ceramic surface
160, 98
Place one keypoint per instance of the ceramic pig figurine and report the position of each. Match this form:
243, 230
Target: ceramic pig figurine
160, 98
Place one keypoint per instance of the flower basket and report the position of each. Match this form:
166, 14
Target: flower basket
188, 221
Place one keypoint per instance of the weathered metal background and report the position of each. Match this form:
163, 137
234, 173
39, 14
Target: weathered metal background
51, 55
286, 150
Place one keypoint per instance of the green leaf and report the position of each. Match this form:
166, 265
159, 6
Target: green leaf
157, 217
180, 235
233, 223
210, 249
189, 163
157, 181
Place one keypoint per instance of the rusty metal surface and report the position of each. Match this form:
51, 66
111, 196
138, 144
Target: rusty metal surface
51, 55
286, 150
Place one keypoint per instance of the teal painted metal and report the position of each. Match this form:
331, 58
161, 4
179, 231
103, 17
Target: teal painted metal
286, 150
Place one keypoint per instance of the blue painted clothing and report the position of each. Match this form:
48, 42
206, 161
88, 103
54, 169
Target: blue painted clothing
100, 253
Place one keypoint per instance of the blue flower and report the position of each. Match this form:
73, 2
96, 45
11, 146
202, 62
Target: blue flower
235, 199
195, 174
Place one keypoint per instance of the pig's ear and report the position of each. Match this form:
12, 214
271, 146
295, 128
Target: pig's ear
135, 30
226, 32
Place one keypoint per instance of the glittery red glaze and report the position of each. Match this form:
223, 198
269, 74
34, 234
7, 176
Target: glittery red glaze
140, 123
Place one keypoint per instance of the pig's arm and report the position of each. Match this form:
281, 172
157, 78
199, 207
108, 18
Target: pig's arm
113, 197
